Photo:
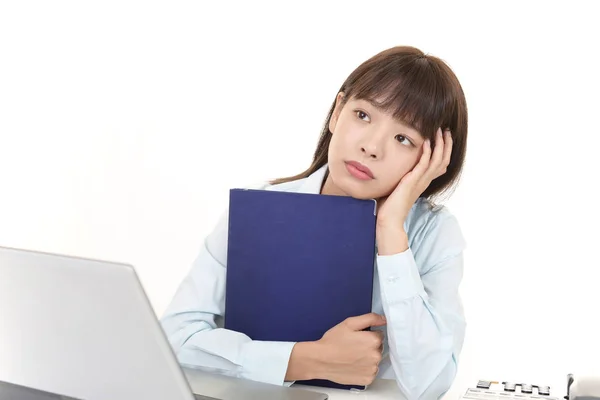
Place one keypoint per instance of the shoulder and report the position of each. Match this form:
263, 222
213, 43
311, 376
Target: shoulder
427, 215
434, 232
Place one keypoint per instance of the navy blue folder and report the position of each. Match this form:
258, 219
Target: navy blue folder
297, 264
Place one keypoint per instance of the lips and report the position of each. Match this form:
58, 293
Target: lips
363, 170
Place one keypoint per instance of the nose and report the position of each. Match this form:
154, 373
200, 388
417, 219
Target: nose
372, 147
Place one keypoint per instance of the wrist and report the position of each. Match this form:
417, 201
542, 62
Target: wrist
305, 363
392, 224
391, 240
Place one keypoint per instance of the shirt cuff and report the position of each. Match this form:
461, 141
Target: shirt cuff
399, 276
267, 361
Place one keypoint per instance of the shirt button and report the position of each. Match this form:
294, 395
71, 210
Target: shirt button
392, 279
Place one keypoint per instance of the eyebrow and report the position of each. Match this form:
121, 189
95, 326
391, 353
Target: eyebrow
404, 123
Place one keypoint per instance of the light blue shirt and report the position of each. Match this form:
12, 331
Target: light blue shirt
417, 290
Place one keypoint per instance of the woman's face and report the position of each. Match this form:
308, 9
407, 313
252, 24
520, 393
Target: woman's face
370, 150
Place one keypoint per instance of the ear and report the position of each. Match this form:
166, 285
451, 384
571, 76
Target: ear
336, 111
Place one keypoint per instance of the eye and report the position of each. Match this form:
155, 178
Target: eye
362, 115
403, 140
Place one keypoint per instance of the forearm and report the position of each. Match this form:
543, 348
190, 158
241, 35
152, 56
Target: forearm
424, 337
304, 363
391, 240
232, 353
421, 351
191, 328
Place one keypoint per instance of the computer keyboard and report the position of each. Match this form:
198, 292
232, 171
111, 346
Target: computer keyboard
493, 390
482, 394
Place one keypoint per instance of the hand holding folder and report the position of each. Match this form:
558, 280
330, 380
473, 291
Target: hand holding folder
352, 353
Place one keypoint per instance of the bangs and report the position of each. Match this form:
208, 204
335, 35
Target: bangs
415, 91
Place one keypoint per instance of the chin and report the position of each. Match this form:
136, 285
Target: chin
352, 187
360, 194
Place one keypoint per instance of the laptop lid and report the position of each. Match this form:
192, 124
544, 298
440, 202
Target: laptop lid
82, 328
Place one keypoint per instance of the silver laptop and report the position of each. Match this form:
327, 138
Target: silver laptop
84, 329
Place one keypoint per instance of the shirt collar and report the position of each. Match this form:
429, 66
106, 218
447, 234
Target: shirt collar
313, 183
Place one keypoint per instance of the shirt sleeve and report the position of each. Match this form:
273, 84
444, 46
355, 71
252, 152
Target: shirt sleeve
425, 319
191, 323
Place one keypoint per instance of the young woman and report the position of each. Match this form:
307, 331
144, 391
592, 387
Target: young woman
396, 132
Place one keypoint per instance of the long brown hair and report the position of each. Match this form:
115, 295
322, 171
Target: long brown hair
417, 89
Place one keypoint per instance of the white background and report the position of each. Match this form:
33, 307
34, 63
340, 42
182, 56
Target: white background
123, 125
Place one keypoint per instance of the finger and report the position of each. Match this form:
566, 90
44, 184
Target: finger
436, 167
423, 163
365, 321
438, 152
380, 338
377, 338
448, 142
371, 339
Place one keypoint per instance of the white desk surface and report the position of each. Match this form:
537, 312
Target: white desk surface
382, 389
219, 386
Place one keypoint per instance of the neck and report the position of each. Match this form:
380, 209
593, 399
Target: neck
329, 188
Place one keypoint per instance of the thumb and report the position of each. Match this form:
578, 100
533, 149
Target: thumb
365, 321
